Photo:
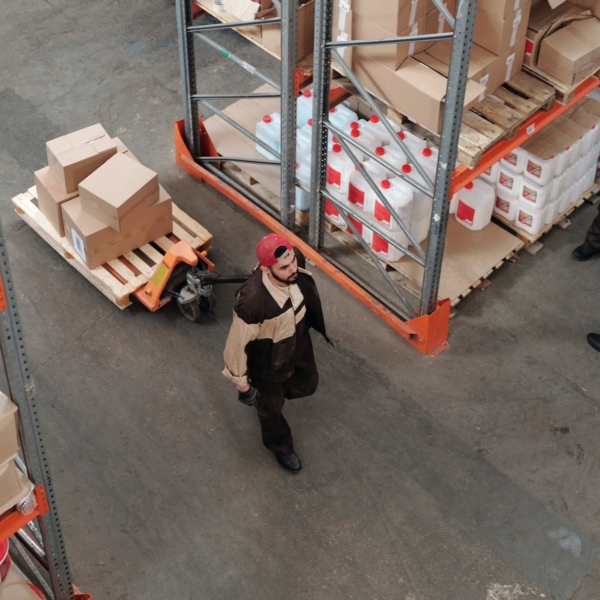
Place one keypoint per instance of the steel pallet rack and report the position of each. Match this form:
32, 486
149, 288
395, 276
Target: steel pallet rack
44, 541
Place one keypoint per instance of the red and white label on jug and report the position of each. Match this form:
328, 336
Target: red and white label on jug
465, 213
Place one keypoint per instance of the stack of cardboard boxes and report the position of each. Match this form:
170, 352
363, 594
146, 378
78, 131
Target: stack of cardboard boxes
14, 486
413, 77
563, 39
96, 193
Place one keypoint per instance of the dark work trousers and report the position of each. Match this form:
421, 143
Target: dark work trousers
276, 433
592, 240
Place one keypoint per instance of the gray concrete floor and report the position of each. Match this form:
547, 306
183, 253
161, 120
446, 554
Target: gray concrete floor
473, 476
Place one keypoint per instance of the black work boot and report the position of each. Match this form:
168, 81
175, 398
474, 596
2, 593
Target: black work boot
594, 340
584, 252
290, 462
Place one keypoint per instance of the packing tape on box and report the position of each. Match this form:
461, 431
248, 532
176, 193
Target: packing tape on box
413, 12
413, 31
517, 4
516, 23
343, 37
484, 81
83, 143
344, 10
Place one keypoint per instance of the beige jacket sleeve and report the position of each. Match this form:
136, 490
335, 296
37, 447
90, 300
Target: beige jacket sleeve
236, 360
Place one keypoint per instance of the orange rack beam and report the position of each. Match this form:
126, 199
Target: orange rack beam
12, 521
427, 333
535, 123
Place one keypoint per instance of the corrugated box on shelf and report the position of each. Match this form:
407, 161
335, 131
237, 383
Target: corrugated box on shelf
119, 187
9, 437
498, 35
572, 53
436, 22
420, 93
342, 32
394, 16
593, 5
96, 243
14, 486
500, 8
50, 196
375, 77
271, 34
543, 21
73, 157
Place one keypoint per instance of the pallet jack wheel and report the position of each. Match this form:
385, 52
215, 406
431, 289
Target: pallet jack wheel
190, 311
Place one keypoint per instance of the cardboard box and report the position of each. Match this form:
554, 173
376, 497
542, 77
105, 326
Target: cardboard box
392, 15
436, 23
572, 53
389, 55
118, 188
271, 34
50, 196
543, 21
500, 8
498, 35
14, 486
123, 149
593, 5
9, 434
343, 35
73, 157
375, 77
96, 243
420, 94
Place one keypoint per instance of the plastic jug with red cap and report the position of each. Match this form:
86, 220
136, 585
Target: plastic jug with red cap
422, 206
341, 117
339, 168
386, 250
360, 193
393, 156
428, 159
399, 195
304, 108
515, 159
365, 137
377, 126
475, 205
364, 231
268, 130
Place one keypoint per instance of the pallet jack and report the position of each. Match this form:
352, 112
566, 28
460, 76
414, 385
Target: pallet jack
186, 275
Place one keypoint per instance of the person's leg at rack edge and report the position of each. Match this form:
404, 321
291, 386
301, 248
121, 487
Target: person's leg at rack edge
269, 354
589, 248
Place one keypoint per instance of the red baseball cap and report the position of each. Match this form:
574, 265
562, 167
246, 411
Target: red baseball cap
265, 249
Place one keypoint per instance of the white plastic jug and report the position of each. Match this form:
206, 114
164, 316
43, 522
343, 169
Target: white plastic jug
422, 207
534, 194
563, 202
304, 108
393, 156
506, 205
400, 197
341, 117
475, 204
587, 141
378, 127
560, 162
539, 169
365, 138
268, 129
556, 188
333, 214
529, 218
428, 159
415, 141
509, 180
491, 175
387, 251
303, 199
339, 168
516, 160
363, 230
552, 211
574, 152
360, 193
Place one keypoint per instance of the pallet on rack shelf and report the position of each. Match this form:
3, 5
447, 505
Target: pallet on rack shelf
499, 116
118, 278
470, 258
564, 93
532, 242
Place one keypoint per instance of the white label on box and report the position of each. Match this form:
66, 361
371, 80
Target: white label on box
78, 244
483, 81
517, 4
413, 31
516, 23
343, 37
413, 12
346, 7
441, 20
344, 10
531, 129
510, 61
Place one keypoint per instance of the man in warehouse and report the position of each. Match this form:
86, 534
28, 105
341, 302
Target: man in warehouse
589, 248
269, 354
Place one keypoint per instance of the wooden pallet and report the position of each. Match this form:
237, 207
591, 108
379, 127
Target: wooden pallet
531, 243
120, 277
564, 93
498, 116
465, 266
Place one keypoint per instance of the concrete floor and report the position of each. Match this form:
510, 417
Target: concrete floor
473, 476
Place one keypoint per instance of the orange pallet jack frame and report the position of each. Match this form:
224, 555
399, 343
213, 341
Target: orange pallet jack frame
428, 333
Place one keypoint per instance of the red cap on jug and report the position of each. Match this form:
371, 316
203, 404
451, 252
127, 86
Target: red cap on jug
310, 122
267, 119
427, 152
337, 148
385, 184
374, 119
401, 135
334, 140
307, 93
406, 169
332, 110
355, 133
469, 185
354, 125
379, 151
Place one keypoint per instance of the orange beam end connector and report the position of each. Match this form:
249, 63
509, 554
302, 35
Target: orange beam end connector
425, 333
12, 521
